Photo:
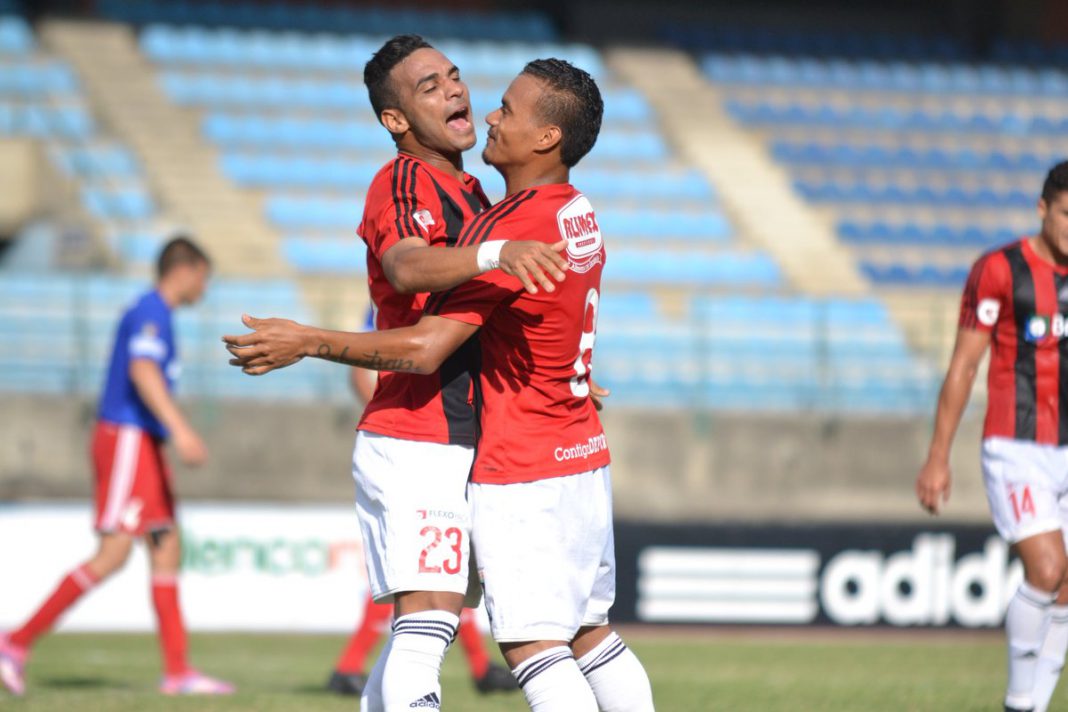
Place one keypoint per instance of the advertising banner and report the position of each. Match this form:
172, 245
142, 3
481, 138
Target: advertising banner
301, 568
839, 574
245, 567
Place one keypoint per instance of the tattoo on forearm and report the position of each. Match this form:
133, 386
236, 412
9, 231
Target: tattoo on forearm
372, 361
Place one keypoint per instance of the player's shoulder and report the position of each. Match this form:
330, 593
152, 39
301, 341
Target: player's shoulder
400, 174
495, 218
147, 304
148, 313
997, 258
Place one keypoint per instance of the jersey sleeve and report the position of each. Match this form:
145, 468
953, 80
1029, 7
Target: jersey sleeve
145, 339
473, 302
986, 293
408, 207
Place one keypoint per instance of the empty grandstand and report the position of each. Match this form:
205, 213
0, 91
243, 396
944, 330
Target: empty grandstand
793, 242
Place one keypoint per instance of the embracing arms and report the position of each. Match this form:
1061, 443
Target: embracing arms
277, 343
412, 266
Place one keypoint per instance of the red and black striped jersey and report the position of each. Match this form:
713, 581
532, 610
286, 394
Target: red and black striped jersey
1022, 301
537, 349
411, 198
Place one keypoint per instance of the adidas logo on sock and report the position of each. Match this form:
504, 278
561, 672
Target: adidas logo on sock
431, 701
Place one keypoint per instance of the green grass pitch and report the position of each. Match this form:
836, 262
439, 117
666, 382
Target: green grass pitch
706, 670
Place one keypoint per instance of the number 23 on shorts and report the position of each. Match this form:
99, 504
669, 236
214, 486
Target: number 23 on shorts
451, 558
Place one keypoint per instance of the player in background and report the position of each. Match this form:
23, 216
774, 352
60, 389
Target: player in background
349, 676
541, 491
1016, 301
134, 499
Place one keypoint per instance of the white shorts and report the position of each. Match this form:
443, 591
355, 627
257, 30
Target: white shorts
546, 555
416, 523
1026, 485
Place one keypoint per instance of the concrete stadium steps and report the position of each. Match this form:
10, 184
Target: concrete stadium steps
755, 192
181, 167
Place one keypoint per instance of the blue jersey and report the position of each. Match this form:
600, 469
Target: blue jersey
144, 332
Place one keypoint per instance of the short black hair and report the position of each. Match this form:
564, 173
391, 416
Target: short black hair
380, 89
179, 250
573, 103
1056, 182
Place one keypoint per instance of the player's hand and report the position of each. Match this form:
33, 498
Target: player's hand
533, 262
191, 449
932, 486
273, 344
598, 394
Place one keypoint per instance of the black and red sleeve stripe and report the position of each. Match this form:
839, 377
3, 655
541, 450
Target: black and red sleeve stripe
404, 202
476, 232
969, 307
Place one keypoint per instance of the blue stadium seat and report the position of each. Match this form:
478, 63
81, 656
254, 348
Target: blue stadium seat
16, 38
323, 255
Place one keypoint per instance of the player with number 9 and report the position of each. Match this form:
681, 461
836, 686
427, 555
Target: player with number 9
541, 489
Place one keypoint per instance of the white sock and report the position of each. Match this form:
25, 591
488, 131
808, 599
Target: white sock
371, 699
1025, 625
552, 682
618, 680
1051, 657
411, 675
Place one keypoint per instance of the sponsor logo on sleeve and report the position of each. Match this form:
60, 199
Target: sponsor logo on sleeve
147, 343
988, 311
424, 218
578, 225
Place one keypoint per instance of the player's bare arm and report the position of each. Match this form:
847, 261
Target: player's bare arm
151, 386
934, 481
277, 343
412, 266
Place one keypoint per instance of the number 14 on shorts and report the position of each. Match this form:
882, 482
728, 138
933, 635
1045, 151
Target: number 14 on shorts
442, 550
1021, 501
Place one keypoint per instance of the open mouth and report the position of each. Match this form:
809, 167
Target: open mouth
460, 120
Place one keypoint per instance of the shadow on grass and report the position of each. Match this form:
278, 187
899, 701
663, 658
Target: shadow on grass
82, 683
320, 691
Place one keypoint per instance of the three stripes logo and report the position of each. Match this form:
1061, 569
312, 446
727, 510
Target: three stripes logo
430, 701
728, 585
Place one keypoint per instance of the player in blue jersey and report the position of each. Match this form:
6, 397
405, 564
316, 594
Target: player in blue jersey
133, 491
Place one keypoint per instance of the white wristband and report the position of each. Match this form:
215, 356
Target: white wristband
489, 255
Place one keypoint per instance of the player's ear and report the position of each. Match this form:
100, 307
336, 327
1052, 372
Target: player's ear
395, 121
1043, 208
549, 138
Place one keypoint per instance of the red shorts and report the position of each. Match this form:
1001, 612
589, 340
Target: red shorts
133, 481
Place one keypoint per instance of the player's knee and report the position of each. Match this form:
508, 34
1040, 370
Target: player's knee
108, 562
1048, 575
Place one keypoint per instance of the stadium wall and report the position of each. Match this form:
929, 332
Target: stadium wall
667, 466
